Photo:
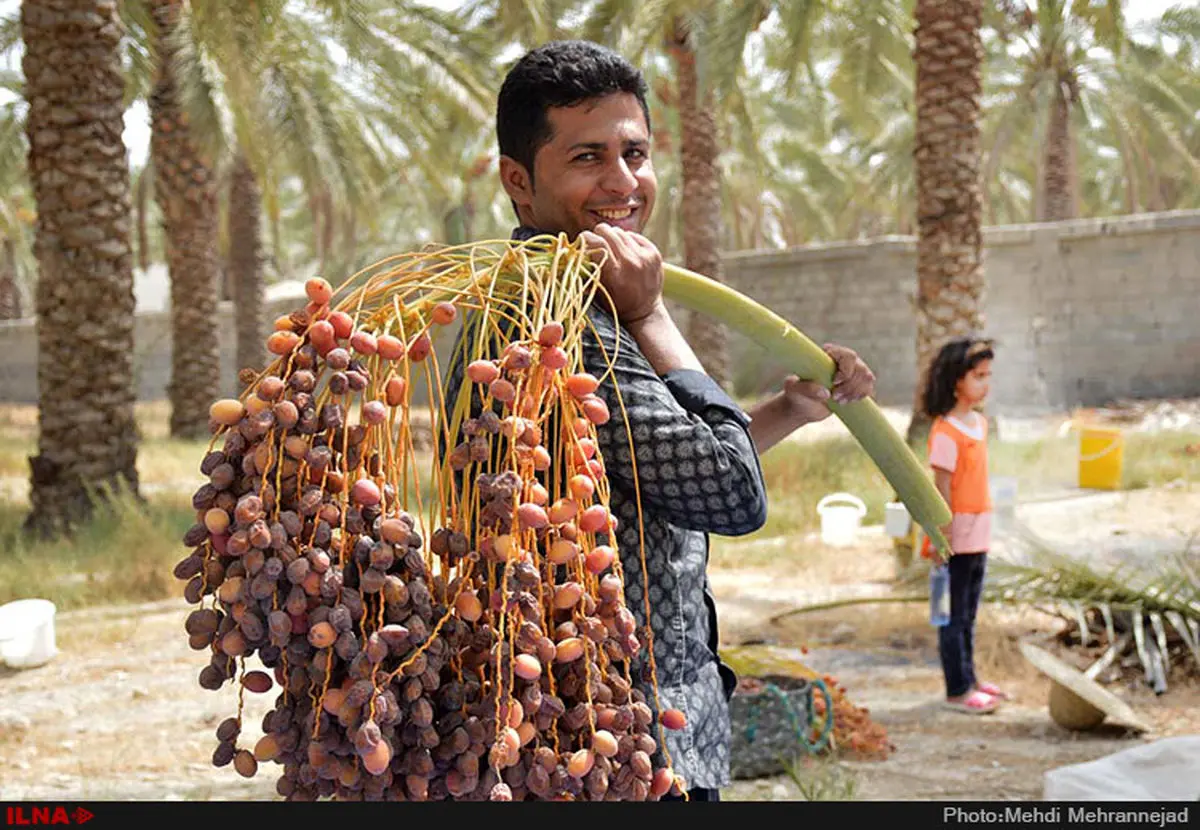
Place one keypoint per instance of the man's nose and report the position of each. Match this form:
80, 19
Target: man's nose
619, 179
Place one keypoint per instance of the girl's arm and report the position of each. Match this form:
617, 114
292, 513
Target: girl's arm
941, 480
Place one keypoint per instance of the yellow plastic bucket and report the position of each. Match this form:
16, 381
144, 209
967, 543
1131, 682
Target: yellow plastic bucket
1101, 456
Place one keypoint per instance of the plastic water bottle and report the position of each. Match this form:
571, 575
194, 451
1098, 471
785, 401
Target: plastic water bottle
939, 595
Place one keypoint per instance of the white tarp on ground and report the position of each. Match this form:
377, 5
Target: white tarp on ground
1164, 770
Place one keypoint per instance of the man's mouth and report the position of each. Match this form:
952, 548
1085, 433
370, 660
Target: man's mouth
614, 214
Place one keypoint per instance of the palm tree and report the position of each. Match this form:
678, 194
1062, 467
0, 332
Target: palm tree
245, 263
1177, 35
526, 23
250, 47
185, 187
16, 212
293, 113
1147, 116
455, 183
837, 144
77, 166
703, 231
1091, 86
682, 30
706, 42
950, 284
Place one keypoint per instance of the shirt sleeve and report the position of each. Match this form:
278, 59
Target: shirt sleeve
943, 452
682, 439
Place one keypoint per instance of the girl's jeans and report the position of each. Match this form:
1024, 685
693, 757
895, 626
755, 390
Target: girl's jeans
956, 641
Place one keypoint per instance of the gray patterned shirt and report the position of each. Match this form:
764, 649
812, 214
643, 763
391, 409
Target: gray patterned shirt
698, 473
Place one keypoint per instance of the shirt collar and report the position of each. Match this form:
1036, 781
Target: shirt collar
523, 232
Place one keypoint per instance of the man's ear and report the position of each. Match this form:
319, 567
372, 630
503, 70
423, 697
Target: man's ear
518, 184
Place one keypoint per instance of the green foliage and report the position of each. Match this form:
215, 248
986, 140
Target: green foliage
374, 118
125, 554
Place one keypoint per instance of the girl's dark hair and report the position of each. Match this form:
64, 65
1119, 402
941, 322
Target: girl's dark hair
952, 363
558, 74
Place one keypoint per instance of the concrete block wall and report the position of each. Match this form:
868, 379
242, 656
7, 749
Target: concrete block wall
151, 348
1085, 312
152, 353
858, 295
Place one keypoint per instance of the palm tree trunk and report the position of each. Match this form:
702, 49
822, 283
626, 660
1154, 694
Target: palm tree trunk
278, 256
10, 295
1059, 176
143, 237
453, 229
950, 284
245, 264
87, 435
185, 188
701, 202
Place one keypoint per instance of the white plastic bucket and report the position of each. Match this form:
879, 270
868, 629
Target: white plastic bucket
27, 633
896, 521
840, 522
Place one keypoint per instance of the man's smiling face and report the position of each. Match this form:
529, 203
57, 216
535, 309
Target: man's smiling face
595, 168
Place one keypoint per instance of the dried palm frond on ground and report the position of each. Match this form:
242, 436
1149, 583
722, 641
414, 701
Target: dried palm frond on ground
1151, 606
1148, 608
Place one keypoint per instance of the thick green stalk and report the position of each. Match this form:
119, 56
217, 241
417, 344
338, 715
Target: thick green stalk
809, 361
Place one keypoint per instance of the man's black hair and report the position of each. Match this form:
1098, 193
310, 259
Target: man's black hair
558, 74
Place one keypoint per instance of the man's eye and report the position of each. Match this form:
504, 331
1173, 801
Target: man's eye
586, 157
636, 154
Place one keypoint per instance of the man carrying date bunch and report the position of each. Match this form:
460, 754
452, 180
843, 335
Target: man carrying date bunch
574, 132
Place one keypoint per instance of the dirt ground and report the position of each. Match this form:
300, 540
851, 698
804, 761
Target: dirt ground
118, 714
886, 655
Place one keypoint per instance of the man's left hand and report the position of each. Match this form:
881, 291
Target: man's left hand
853, 380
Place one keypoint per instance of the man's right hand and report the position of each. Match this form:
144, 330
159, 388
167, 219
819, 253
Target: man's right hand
632, 272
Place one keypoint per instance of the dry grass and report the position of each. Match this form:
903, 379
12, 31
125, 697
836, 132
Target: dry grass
804, 558
128, 556
799, 474
162, 461
111, 632
905, 626
823, 779
125, 555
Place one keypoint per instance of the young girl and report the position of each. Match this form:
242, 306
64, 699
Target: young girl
958, 383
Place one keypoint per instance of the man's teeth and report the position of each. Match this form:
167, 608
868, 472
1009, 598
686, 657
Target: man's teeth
623, 213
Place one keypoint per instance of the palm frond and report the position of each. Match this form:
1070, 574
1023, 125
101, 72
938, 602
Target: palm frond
138, 58
873, 51
1134, 598
606, 20
797, 22
198, 84
11, 81
725, 45
644, 32
12, 149
1133, 595
10, 32
1106, 20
